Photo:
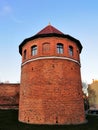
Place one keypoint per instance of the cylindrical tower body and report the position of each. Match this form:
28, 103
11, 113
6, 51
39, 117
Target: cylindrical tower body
51, 90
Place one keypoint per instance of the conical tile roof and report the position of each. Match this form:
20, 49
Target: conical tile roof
49, 29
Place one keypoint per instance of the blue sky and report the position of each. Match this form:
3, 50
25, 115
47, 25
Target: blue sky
20, 19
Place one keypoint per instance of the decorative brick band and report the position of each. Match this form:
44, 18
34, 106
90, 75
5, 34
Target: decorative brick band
51, 57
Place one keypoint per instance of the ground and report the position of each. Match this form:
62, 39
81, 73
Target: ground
9, 121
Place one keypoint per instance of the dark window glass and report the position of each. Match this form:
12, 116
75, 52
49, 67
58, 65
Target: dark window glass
60, 49
34, 50
70, 50
25, 53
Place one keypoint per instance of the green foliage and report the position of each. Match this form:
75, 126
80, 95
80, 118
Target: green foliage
9, 121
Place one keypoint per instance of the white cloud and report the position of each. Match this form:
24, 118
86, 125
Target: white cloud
5, 10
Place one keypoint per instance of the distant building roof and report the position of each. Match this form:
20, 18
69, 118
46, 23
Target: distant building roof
50, 31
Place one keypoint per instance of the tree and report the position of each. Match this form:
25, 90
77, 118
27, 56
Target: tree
91, 96
85, 88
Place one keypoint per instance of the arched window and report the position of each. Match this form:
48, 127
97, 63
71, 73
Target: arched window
46, 47
34, 50
24, 54
70, 50
60, 49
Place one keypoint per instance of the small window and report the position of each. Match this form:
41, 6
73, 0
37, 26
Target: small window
46, 47
70, 50
60, 49
34, 50
24, 55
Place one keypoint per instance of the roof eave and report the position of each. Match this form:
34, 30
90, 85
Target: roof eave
50, 35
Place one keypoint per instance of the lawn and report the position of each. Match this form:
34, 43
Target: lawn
9, 121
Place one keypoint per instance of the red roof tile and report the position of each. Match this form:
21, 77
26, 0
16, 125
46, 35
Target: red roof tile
49, 29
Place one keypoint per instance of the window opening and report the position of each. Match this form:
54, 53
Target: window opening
60, 49
34, 50
25, 54
70, 50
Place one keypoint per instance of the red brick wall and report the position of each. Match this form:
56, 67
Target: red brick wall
53, 42
50, 90
9, 95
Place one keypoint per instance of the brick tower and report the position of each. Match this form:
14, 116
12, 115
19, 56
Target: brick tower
51, 90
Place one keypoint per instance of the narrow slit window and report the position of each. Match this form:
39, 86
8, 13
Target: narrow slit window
25, 54
60, 49
34, 50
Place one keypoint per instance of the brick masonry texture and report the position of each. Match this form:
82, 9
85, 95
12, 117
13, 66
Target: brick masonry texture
9, 96
51, 89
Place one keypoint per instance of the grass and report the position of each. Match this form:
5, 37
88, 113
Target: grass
9, 121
